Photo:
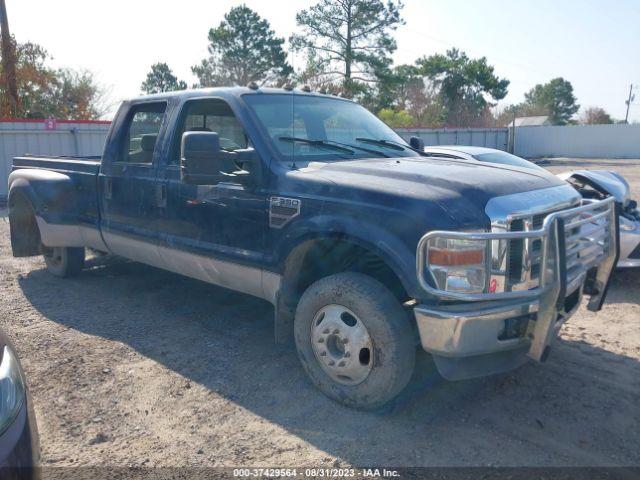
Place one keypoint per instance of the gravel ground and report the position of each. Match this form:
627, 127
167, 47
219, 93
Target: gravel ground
130, 365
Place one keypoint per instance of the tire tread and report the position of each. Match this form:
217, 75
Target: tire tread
398, 355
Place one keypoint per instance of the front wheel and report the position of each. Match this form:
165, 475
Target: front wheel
354, 340
64, 262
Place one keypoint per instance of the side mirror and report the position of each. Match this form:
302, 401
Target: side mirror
417, 143
203, 162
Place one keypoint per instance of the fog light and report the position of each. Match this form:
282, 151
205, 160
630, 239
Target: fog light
515, 327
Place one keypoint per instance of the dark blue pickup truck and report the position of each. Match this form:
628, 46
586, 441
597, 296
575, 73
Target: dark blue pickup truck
365, 246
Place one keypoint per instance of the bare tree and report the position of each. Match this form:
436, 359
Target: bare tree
595, 116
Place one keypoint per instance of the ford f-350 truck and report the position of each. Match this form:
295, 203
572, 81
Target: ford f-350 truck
366, 247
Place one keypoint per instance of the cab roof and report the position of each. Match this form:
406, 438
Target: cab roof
230, 91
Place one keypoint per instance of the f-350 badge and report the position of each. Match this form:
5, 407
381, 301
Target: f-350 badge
282, 210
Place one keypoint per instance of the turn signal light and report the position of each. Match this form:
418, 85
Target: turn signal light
455, 257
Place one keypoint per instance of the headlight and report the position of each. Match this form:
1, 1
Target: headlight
457, 265
627, 225
12, 388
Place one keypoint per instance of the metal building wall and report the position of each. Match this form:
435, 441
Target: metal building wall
595, 141
478, 137
19, 137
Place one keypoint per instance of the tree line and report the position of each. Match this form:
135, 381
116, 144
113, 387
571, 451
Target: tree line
44, 92
346, 47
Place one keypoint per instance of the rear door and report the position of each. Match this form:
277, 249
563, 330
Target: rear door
130, 197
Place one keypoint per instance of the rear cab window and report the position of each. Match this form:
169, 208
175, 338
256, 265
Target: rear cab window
142, 131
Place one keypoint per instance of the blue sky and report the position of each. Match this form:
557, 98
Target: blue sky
594, 44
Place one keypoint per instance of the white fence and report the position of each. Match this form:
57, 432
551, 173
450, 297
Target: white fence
478, 137
595, 141
40, 137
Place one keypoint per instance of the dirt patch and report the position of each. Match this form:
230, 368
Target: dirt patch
130, 365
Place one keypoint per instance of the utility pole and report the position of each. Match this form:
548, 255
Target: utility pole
628, 102
11, 100
513, 133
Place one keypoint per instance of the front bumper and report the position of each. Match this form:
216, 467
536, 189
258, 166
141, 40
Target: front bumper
472, 340
492, 333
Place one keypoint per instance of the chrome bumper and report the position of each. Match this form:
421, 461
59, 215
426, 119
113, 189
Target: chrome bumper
474, 324
475, 328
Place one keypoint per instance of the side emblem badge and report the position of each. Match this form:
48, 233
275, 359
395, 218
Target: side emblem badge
282, 210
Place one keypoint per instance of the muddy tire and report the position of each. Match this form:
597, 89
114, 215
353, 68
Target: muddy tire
354, 340
64, 262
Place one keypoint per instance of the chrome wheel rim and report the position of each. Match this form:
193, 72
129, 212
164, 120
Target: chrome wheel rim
53, 255
342, 345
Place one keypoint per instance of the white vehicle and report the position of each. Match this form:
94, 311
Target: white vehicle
599, 184
594, 184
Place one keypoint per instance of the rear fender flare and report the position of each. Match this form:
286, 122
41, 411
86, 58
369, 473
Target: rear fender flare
53, 200
52, 194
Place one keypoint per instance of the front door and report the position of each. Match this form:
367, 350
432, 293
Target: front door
211, 232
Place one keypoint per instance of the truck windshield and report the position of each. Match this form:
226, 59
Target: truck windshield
305, 127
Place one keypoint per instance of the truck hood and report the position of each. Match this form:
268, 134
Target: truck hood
461, 188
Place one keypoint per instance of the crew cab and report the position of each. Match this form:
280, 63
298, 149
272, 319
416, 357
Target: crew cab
366, 247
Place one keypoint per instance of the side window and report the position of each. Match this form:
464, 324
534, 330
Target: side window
142, 132
211, 115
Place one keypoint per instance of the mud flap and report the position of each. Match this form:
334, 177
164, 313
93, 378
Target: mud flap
23, 228
284, 316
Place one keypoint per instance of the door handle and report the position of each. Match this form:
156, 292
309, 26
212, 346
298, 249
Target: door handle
108, 189
161, 195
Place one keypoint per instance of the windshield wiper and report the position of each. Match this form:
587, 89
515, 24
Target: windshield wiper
338, 146
364, 149
382, 143
390, 144
318, 143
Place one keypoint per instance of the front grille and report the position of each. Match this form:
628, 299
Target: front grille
515, 253
538, 221
585, 244
525, 255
